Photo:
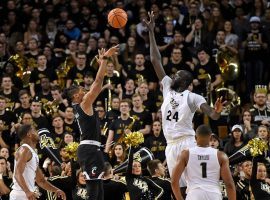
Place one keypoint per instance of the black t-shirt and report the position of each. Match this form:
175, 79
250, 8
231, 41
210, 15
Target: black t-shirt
144, 118
112, 115
41, 122
44, 98
172, 68
37, 75
114, 189
157, 146
11, 99
146, 74
254, 49
18, 111
119, 125
88, 125
200, 72
76, 75
150, 103
165, 184
72, 128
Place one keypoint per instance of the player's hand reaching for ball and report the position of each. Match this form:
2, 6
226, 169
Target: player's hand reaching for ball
112, 51
151, 23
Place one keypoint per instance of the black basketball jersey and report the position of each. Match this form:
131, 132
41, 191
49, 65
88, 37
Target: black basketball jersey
88, 125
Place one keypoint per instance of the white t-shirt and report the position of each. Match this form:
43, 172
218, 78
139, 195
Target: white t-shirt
29, 173
178, 110
203, 169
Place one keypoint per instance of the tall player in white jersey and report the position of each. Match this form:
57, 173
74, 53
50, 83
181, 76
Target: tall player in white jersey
204, 166
26, 169
179, 105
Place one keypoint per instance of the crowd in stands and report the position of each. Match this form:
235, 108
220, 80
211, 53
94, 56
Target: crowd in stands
48, 45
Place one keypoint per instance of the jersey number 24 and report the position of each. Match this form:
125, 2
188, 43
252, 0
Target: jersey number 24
171, 116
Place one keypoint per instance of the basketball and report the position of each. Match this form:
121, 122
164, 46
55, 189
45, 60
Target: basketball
117, 18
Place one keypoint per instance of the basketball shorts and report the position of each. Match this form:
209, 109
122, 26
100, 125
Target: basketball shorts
174, 149
91, 160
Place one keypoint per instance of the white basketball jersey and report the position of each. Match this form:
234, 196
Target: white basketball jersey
203, 169
29, 173
178, 110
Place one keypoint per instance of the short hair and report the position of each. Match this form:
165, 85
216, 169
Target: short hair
136, 95
3, 98
23, 130
56, 87
6, 76
126, 101
73, 89
203, 130
152, 165
181, 80
56, 170
23, 92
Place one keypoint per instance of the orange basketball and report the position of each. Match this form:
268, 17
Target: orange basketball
117, 18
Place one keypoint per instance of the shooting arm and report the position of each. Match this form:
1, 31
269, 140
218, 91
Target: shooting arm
96, 87
226, 175
155, 56
177, 172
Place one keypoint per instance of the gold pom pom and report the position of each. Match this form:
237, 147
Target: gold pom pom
71, 150
134, 139
257, 146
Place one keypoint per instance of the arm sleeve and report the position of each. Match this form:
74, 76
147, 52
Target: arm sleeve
254, 170
166, 84
195, 101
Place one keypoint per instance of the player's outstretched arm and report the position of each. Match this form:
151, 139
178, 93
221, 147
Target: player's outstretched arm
154, 52
213, 113
177, 172
226, 175
96, 87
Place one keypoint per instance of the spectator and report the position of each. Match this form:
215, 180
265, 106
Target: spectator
156, 142
236, 141
118, 155
249, 128
157, 172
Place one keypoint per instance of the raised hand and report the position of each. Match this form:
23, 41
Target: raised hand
111, 51
151, 23
219, 105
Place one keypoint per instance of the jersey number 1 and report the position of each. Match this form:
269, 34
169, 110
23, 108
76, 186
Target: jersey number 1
170, 117
204, 174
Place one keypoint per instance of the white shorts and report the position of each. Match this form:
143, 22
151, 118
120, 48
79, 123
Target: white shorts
201, 194
173, 150
17, 195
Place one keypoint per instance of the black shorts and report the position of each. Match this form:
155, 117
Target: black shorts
91, 160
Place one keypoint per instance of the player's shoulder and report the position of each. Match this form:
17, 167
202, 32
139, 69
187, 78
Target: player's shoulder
166, 80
